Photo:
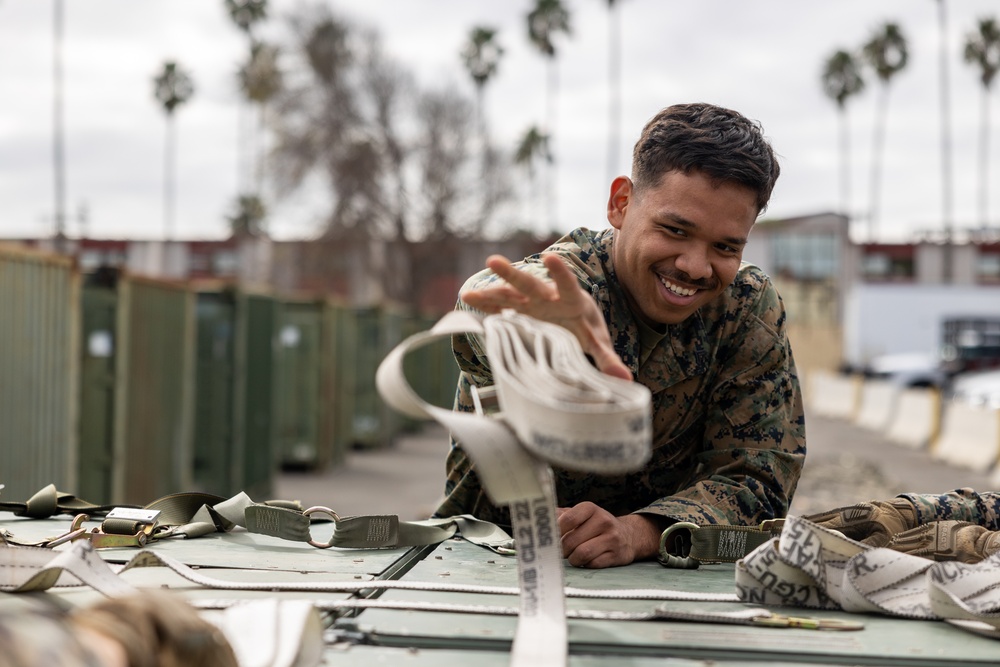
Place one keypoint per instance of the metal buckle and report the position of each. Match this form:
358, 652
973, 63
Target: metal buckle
319, 509
670, 560
104, 540
772, 525
806, 623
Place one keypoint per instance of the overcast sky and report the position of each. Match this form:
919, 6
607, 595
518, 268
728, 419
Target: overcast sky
762, 58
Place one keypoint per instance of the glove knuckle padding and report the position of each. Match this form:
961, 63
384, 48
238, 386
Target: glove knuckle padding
873, 523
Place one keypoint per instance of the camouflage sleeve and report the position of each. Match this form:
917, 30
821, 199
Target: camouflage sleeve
964, 504
754, 437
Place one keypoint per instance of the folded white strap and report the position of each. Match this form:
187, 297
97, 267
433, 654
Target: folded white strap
273, 633
555, 407
811, 566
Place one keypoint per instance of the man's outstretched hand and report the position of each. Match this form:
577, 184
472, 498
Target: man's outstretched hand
561, 302
592, 537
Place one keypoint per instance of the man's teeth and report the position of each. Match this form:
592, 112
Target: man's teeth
677, 289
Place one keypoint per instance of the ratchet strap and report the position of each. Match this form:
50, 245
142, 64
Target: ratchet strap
555, 408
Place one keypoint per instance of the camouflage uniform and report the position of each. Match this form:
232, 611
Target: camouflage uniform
982, 509
728, 426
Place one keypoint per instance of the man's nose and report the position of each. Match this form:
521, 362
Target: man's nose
694, 262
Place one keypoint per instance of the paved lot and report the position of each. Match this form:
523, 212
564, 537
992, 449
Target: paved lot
846, 464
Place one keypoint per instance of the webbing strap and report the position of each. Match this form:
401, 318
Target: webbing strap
728, 544
286, 628
49, 501
812, 566
554, 408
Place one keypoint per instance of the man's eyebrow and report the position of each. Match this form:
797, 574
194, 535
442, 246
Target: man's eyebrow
679, 221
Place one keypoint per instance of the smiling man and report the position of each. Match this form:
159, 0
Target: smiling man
663, 298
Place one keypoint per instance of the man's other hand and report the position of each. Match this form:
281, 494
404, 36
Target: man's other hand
594, 538
561, 302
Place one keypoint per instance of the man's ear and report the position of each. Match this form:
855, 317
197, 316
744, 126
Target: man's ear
618, 201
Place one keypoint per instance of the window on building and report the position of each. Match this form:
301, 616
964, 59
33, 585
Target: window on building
225, 263
805, 256
885, 266
988, 268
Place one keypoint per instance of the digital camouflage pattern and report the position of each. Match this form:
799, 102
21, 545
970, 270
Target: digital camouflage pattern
32, 635
728, 425
982, 509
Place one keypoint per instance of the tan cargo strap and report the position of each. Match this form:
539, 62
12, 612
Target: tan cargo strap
26, 569
372, 531
685, 545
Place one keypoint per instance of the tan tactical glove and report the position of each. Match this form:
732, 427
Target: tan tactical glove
948, 540
873, 523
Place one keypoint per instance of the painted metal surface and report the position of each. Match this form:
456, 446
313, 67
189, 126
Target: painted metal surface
410, 638
39, 371
154, 389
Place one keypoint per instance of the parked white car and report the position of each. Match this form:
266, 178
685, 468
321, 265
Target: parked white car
979, 388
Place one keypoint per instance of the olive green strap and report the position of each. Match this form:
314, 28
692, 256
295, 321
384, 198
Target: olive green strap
371, 531
685, 545
49, 501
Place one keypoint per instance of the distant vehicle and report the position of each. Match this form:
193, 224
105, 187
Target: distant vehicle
979, 388
970, 344
908, 369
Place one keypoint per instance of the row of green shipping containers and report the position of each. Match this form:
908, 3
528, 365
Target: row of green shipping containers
122, 389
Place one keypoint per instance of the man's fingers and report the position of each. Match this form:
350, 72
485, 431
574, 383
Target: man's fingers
494, 299
609, 363
565, 281
523, 281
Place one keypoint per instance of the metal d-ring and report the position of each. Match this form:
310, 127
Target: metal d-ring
670, 560
319, 509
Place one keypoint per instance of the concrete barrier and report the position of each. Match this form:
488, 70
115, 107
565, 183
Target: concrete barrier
916, 421
877, 404
832, 394
970, 436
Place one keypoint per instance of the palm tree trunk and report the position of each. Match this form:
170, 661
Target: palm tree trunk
614, 89
168, 180
946, 192
845, 165
58, 154
552, 186
878, 142
984, 158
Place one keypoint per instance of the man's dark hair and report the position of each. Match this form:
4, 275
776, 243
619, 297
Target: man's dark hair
721, 143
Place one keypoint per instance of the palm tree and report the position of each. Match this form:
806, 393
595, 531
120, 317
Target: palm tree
545, 21
946, 186
173, 87
982, 48
248, 216
481, 55
534, 145
887, 54
260, 81
614, 86
246, 13
58, 154
841, 81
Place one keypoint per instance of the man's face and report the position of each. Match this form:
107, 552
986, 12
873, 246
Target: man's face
679, 243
